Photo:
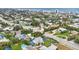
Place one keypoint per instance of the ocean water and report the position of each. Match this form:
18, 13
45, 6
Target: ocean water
67, 10
73, 10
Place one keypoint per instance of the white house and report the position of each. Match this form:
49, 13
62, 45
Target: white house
8, 28
38, 40
4, 40
76, 25
0, 26
37, 19
54, 31
62, 29
31, 48
46, 34
28, 19
24, 47
75, 20
43, 48
27, 27
38, 29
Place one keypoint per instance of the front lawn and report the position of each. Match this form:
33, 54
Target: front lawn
48, 42
62, 34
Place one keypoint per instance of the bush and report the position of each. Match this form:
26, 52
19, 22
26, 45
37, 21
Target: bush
4, 44
8, 36
16, 47
1, 47
77, 39
47, 43
71, 38
26, 31
37, 34
35, 23
14, 40
25, 42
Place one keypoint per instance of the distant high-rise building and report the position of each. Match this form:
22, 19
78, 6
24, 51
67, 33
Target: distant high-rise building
56, 11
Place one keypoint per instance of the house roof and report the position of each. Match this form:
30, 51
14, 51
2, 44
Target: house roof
7, 48
31, 48
62, 29
23, 36
38, 40
52, 47
4, 40
23, 46
1, 36
43, 48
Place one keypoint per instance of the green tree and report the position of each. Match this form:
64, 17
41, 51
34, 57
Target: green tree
77, 39
34, 22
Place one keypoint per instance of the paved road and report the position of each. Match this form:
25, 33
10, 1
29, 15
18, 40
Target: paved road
66, 43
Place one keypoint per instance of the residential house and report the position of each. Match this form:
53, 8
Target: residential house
24, 47
7, 48
1, 36
4, 40
31, 47
8, 28
43, 48
62, 29
75, 25
38, 29
38, 40
52, 47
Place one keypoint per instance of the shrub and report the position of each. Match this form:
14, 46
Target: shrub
26, 42
26, 31
47, 43
37, 34
71, 38
1, 47
77, 39
16, 47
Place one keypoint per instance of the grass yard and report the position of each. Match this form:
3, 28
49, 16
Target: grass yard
48, 42
62, 34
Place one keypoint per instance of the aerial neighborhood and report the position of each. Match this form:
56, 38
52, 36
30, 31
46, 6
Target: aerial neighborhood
24, 29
